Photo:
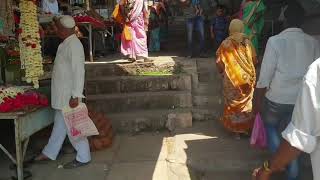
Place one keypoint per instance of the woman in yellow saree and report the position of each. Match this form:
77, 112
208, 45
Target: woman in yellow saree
236, 58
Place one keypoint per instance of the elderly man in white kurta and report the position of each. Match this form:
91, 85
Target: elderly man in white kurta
66, 90
303, 133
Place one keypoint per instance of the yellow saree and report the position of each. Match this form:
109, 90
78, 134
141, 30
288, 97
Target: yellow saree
237, 55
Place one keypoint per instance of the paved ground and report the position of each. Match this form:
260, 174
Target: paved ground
204, 152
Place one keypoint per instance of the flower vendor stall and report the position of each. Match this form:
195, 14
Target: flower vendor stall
26, 67
23, 99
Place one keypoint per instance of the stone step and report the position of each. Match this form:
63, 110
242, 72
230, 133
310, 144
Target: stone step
210, 70
150, 120
107, 69
209, 76
108, 103
127, 84
208, 89
104, 69
206, 113
209, 101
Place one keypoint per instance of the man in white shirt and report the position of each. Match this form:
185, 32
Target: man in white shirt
285, 62
303, 133
50, 6
66, 90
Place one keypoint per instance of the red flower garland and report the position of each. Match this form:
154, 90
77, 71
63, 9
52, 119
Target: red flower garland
22, 101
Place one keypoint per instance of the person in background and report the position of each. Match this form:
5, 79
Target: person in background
236, 60
219, 26
50, 6
118, 28
196, 6
163, 22
239, 14
154, 29
66, 90
253, 17
286, 59
303, 132
134, 12
193, 21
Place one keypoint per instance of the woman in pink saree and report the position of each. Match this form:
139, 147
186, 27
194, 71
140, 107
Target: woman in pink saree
134, 45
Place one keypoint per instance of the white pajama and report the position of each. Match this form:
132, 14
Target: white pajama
57, 138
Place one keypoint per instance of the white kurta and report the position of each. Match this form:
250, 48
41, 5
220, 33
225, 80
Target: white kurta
303, 132
68, 73
67, 81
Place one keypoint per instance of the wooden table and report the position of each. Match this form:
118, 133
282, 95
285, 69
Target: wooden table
26, 124
105, 31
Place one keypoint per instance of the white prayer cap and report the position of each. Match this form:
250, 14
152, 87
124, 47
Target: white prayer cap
67, 21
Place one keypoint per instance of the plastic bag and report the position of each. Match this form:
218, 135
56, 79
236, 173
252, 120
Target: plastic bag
127, 33
78, 122
258, 137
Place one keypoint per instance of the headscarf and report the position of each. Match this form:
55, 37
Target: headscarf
236, 30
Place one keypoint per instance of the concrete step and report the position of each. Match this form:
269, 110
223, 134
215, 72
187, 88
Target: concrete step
104, 69
108, 103
209, 77
208, 89
107, 69
150, 120
206, 113
209, 101
126, 84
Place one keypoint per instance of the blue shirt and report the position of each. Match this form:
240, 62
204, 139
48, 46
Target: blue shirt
220, 26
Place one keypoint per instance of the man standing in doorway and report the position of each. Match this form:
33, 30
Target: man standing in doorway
66, 90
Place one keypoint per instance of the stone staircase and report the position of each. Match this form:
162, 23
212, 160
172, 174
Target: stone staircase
208, 97
137, 103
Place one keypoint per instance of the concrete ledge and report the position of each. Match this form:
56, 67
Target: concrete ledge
115, 103
157, 119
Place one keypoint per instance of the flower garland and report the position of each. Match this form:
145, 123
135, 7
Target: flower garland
10, 92
18, 98
29, 41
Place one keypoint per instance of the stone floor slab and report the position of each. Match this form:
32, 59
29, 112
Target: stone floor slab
92, 171
139, 171
144, 147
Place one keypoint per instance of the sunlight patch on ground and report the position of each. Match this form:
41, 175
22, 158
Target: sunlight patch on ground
193, 137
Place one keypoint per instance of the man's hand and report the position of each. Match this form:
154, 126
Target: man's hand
74, 102
256, 107
260, 174
258, 99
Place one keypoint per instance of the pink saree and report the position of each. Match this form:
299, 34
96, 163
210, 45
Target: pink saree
138, 45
